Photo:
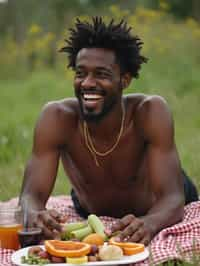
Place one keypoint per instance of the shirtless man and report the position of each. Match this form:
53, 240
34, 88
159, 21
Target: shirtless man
118, 151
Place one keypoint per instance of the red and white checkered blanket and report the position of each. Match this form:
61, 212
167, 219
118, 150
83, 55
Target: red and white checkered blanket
178, 242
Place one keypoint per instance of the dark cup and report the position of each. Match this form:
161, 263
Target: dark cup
29, 237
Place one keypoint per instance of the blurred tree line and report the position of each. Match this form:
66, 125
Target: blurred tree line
17, 15
55, 16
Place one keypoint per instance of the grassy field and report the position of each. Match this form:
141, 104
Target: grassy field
21, 103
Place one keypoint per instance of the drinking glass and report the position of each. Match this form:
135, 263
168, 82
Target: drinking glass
30, 234
10, 224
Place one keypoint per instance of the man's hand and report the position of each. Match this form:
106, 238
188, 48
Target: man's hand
49, 221
132, 229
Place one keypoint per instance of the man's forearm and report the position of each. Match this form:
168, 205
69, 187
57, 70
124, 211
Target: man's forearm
33, 203
164, 213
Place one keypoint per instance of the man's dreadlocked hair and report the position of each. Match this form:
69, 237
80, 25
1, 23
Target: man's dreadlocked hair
114, 36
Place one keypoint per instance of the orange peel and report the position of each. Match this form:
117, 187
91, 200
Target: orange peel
129, 248
71, 249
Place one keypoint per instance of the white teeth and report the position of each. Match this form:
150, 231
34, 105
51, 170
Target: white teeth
92, 96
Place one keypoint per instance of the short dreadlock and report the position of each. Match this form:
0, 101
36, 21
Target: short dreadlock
114, 36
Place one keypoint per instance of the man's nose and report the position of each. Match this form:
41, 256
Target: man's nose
88, 82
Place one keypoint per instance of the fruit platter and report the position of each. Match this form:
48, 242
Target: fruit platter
82, 243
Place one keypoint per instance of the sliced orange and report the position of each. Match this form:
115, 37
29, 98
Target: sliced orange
69, 249
129, 248
136, 248
94, 239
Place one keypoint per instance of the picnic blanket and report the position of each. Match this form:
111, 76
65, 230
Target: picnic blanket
178, 242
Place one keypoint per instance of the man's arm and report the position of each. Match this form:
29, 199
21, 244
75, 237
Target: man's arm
163, 167
41, 170
164, 173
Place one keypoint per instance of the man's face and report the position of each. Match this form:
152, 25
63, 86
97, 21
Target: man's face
97, 82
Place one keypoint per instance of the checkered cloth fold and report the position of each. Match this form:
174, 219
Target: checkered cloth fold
178, 242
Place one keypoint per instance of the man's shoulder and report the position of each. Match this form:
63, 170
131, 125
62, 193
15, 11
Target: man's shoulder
61, 107
143, 100
142, 103
64, 110
61, 115
57, 121
153, 105
149, 112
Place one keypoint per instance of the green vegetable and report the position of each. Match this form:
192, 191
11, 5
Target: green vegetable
33, 259
79, 230
69, 227
81, 233
97, 225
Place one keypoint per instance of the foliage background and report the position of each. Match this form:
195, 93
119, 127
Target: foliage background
32, 72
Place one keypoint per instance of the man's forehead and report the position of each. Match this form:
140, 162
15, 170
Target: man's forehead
104, 57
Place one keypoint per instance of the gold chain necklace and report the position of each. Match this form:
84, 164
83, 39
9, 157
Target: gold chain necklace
90, 145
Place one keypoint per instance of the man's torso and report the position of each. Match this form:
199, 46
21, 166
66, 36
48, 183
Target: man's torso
120, 184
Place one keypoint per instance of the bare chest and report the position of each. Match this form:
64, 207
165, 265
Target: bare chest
119, 178
121, 165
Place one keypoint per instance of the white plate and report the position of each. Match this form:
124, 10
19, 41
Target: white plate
16, 259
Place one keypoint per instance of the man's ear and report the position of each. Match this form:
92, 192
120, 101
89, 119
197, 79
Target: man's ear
126, 80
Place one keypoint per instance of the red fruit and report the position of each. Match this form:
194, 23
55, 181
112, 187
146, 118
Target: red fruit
94, 249
44, 254
55, 259
34, 250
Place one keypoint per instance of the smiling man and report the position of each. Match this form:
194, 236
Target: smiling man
118, 150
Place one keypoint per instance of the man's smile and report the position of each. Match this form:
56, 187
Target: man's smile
91, 100
93, 97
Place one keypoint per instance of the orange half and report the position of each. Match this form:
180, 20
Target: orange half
129, 248
69, 249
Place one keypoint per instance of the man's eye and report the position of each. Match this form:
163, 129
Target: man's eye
80, 74
102, 74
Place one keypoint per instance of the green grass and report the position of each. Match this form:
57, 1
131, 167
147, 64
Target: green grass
21, 103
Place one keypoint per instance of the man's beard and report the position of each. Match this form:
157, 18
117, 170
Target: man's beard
91, 116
